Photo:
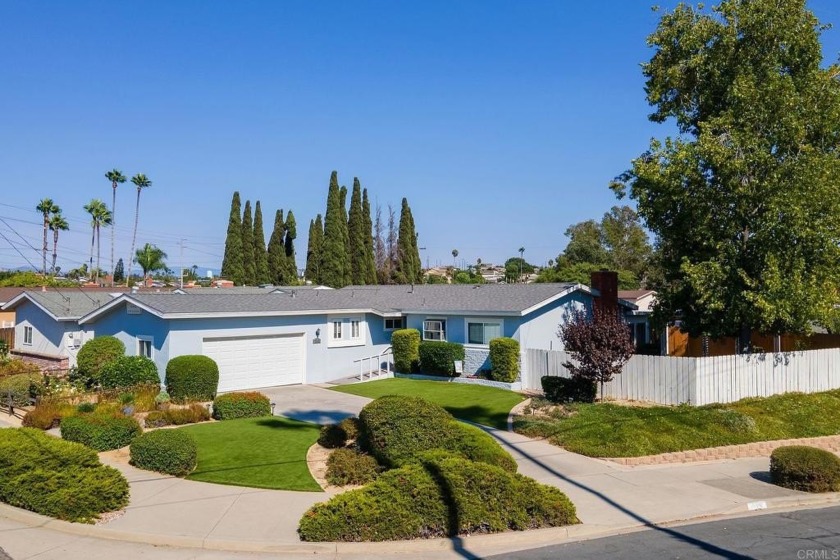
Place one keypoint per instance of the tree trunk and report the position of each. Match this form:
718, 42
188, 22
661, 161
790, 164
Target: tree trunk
133, 237
44, 252
98, 252
113, 226
55, 249
92, 244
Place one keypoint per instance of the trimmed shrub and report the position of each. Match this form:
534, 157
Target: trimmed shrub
422, 500
332, 436
101, 433
128, 371
808, 469
18, 388
57, 478
439, 357
406, 347
352, 427
241, 405
165, 451
398, 429
504, 359
569, 389
94, 355
46, 415
156, 419
348, 466
85, 408
189, 415
192, 377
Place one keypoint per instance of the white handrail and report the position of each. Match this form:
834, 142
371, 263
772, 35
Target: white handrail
378, 369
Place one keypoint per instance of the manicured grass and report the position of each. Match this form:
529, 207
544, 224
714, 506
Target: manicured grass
267, 452
483, 405
608, 430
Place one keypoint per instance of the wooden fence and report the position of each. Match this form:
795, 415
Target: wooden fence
7, 335
699, 381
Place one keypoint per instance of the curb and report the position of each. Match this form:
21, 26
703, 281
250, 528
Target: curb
497, 543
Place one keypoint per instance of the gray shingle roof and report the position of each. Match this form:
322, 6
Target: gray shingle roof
70, 304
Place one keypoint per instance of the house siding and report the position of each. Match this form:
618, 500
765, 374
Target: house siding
49, 337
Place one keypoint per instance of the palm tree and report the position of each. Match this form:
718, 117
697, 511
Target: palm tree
454, 256
57, 224
46, 207
116, 177
521, 260
99, 216
150, 258
141, 182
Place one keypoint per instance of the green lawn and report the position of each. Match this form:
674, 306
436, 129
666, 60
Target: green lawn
483, 405
267, 452
607, 430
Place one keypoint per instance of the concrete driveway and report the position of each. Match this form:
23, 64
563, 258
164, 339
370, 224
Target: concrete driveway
311, 403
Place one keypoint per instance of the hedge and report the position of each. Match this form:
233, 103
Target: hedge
192, 377
18, 388
128, 371
444, 496
166, 451
406, 347
398, 429
348, 466
504, 359
57, 478
101, 433
808, 469
439, 357
94, 355
47, 415
333, 436
241, 405
568, 389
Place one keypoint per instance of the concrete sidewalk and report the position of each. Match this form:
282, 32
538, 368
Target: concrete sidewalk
610, 499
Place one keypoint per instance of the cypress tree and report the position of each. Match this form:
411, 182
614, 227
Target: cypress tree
249, 276
260, 254
370, 261
232, 262
355, 229
313, 251
291, 260
408, 257
334, 247
276, 251
345, 233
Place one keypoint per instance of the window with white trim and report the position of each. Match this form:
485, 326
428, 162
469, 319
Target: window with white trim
394, 323
355, 329
336, 332
434, 329
482, 332
27, 335
346, 331
145, 346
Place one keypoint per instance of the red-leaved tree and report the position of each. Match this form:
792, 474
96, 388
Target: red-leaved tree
600, 344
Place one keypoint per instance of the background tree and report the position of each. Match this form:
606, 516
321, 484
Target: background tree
116, 177
150, 258
277, 251
454, 259
586, 244
516, 268
249, 269
141, 182
119, 272
745, 202
260, 254
46, 207
57, 224
598, 342
99, 216
626, 241
408, 254
232, 266
313, 250
380, 253
370, 259
334, 248
345, 233
581, 273
356, 232
289, 245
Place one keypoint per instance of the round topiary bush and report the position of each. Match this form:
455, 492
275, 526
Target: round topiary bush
348, 466
192, 377
352, 427
165, 451
101, 433
94, 354
504, 359
421, 501
128, 371
241, 405
332, 436
808, 469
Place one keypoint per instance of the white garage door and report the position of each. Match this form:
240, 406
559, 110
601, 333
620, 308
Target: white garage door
251, 362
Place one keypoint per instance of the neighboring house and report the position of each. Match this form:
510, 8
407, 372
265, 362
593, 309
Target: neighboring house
639, 319
7, 318
314, 336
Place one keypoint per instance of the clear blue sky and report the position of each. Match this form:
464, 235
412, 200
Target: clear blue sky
502, 122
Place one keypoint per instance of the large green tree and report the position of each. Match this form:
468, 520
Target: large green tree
370, 259
46, 206
408, 254
289, 246
313, 250
356, 231
277, 251
232, 265
745, 202
345, 233
260, 254
150, 258
334, 261
249, 269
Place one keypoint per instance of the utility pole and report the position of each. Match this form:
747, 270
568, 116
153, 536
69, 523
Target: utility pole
181, 258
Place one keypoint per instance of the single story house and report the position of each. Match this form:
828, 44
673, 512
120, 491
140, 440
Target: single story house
639, 319
304, 336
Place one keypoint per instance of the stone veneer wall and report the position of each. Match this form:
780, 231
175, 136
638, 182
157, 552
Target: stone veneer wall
475, 360
46, 363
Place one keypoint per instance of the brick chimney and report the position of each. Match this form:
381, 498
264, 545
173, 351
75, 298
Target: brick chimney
606, 282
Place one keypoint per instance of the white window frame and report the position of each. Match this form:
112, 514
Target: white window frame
346, 331
27, 340
441, 330
483, 321
398, 320
141, 340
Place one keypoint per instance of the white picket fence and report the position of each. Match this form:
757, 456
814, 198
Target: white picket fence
699, 381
